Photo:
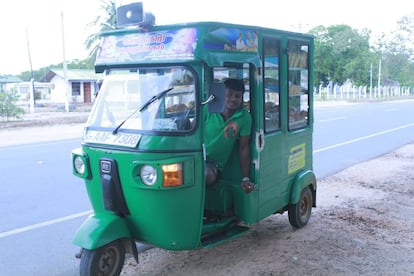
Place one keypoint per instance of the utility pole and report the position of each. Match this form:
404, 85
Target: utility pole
65, 69
32, 89
379, 77
370, 82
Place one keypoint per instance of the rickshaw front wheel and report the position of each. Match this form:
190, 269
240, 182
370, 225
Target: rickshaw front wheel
107, 260
299, 213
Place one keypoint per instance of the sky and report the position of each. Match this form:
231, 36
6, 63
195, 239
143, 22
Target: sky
40, 27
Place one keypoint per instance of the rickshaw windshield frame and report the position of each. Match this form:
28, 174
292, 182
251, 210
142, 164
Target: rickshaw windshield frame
146, 100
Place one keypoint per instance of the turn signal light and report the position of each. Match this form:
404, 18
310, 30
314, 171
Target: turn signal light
172, 175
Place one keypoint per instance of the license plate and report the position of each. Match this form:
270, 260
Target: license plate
106, 137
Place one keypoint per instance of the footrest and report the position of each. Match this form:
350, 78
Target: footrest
219, 237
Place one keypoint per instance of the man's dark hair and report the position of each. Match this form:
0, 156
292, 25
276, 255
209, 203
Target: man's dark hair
234, 84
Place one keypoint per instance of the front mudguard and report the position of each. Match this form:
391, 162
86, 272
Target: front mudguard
99, 230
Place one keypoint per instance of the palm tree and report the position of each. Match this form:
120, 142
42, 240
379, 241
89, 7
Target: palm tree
102, 23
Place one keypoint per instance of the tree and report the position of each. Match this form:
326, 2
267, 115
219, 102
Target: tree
323, 56
397, 53
8, 107
402, 41
341, 54
102, 23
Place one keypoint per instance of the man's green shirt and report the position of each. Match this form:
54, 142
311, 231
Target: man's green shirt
221, 136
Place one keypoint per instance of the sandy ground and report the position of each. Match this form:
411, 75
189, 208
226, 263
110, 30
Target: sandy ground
42, 127
363, 224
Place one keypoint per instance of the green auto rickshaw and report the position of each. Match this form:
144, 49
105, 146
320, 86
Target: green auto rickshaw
142, 155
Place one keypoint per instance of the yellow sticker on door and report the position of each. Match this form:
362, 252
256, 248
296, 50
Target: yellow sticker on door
296, 158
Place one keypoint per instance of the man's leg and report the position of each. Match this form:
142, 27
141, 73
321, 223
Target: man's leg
211, 173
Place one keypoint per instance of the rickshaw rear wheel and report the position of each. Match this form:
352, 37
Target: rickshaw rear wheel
107, 260
300, 213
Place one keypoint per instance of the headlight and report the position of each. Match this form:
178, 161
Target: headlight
148, 175
79, 165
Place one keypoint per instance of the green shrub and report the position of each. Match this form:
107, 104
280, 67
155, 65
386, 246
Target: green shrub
8, 108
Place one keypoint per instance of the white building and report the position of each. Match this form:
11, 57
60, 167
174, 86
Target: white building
81, 85
6, 81
41, 89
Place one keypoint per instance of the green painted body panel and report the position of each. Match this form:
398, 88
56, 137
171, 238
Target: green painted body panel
165, 217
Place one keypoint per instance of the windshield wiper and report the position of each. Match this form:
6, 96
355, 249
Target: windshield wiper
154, 98
145, 105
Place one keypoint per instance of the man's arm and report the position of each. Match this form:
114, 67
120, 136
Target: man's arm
244, 152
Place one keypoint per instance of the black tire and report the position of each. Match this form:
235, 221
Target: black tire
300, 213
107, 260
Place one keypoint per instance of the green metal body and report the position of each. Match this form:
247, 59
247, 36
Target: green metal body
174, 217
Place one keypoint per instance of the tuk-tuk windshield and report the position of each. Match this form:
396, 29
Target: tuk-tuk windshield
146, 99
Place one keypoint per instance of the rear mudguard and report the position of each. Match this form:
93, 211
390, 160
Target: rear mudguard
99, 230
303, 180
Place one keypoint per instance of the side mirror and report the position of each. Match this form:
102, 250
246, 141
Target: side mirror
216, 100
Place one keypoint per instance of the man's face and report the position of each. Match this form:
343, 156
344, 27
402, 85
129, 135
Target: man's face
233, 99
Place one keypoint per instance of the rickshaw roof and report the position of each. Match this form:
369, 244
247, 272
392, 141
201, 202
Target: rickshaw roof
211, 42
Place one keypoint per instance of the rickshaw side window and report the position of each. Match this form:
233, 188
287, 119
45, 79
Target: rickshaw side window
298, 56
236, 71
271, 77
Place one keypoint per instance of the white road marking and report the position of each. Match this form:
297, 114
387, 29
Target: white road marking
363, 138
43, 224
332, 119
391, 109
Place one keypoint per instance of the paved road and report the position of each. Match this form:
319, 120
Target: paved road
345, 135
